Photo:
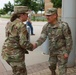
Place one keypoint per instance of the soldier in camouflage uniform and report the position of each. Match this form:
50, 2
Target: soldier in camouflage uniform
60, 41
17, 43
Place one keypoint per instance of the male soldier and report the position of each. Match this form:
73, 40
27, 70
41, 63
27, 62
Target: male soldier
17, 42
60, 41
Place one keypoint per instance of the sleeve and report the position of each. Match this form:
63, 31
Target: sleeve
42, 37
23, 38
68, 37
7, 28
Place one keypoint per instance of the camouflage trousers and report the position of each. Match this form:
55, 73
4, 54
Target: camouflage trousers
59, 60
18, 68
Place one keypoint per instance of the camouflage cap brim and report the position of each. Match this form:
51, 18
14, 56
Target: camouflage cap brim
21, 9
51, 11
49, 14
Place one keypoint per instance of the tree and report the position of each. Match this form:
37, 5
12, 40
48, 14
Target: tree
23, 2
2, 11
41, 5
8, 7
32, 4
57, 3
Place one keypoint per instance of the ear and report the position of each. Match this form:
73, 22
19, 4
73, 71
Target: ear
55, 15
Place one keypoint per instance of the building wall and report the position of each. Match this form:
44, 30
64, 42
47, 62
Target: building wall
48, 4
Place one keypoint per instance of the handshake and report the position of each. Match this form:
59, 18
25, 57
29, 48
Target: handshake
31, 46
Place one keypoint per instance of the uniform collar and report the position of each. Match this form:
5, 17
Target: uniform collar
54, 26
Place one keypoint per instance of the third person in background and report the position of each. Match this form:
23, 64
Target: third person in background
29, 23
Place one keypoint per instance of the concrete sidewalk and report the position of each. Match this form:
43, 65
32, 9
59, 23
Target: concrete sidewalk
36, 62
36, 69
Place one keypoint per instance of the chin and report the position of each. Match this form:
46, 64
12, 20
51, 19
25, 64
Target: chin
24, 20
49, 22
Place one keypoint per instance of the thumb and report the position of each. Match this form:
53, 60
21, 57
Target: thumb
65, 55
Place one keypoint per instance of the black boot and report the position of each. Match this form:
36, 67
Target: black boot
52, 71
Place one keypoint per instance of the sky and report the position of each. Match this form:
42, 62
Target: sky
2, 2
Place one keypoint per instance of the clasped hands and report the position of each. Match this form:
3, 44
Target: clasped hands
34, 46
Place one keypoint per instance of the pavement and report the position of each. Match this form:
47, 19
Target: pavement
36, 61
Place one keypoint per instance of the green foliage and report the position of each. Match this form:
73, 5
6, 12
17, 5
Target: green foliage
5, 16
2, 11
33, 5
38, 18
8, 7
57, 3
23, 2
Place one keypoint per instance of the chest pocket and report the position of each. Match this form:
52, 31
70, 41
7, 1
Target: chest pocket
59, 33
56, 32
51, 32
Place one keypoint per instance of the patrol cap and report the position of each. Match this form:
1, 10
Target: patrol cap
51, 11
21, 9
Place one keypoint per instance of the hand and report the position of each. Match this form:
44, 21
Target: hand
65, 55
34, 45
29, 47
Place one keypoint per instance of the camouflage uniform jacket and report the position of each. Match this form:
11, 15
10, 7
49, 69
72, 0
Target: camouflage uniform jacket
59, 37
16, 42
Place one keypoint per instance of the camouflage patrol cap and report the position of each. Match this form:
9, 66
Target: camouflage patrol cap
51, 11
21, 9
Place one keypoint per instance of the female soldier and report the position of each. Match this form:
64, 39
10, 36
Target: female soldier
17, 42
